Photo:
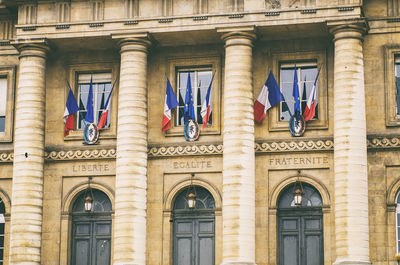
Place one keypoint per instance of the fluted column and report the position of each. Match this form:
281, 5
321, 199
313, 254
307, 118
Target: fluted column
27, 189
131, 172
238, 158
350, 169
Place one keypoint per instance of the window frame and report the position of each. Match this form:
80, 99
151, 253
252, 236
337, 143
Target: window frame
193, 63
74, 72
397, 225
391, 116
319, 57
8, 72
96, 83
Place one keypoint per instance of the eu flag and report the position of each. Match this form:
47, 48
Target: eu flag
296, 95
189, 107
89, 106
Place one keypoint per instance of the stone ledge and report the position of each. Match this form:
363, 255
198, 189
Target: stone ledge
158, 151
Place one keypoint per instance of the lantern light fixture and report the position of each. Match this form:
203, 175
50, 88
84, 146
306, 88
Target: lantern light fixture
88, 198
298, 191
191, 194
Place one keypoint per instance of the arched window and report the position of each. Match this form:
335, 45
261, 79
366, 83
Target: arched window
300, 228
2, 225
194, 229
398, 223
91, 231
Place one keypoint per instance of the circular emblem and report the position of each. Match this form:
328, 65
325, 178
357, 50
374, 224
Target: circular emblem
90, 133
297, 127
191, 130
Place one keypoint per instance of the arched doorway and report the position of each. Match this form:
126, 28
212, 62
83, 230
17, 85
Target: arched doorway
91, 231
194, 229
300, 228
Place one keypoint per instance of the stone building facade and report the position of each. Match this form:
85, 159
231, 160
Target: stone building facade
243, 173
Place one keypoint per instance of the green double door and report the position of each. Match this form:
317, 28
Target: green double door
91, 241
194, 238
300, 236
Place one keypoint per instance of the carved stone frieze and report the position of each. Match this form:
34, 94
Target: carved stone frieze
294, 146
383, 142
82, 154
160, 151
210, 149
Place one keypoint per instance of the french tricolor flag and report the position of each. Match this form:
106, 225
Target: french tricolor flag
206, 106
170, 103
70, 108
104, 115
269, 96
309, 112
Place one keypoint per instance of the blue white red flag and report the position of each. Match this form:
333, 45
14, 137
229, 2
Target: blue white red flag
170, 103
189, 107
70, 108
296, 95
269, 96
89, 106
104, 115
309, 112
206, 106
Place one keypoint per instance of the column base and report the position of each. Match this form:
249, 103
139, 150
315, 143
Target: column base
351, 262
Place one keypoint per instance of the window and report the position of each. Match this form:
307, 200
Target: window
392, 85
103, 76
3, 103
398, 224
200, 80
397, 86
307, 64
101, 90
306, 73
202, 70
7, 82
2, 226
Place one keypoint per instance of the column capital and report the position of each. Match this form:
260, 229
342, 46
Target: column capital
135, 41
32, 47
348, 29
238, 35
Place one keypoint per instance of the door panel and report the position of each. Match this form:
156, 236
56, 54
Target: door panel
184, 251
193, 240
290, 250
91, 242
300, 235
103, 249
81, 252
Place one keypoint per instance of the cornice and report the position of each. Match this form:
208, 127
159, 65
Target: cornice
261, 147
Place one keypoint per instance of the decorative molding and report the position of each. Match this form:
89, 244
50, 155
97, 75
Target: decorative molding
294, 146
346, 8
6, 157
82, 154
308, 11
99, 24
131, 22
200, 18
236, 16
63, 26
165, 20
274, 13
383, 142
212, 149
156, 151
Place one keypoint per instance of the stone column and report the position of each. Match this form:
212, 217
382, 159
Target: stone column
238, 159
131, 172
351, 178
27, 189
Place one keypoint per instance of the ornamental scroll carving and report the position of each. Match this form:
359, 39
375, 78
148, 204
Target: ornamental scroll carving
211, 149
